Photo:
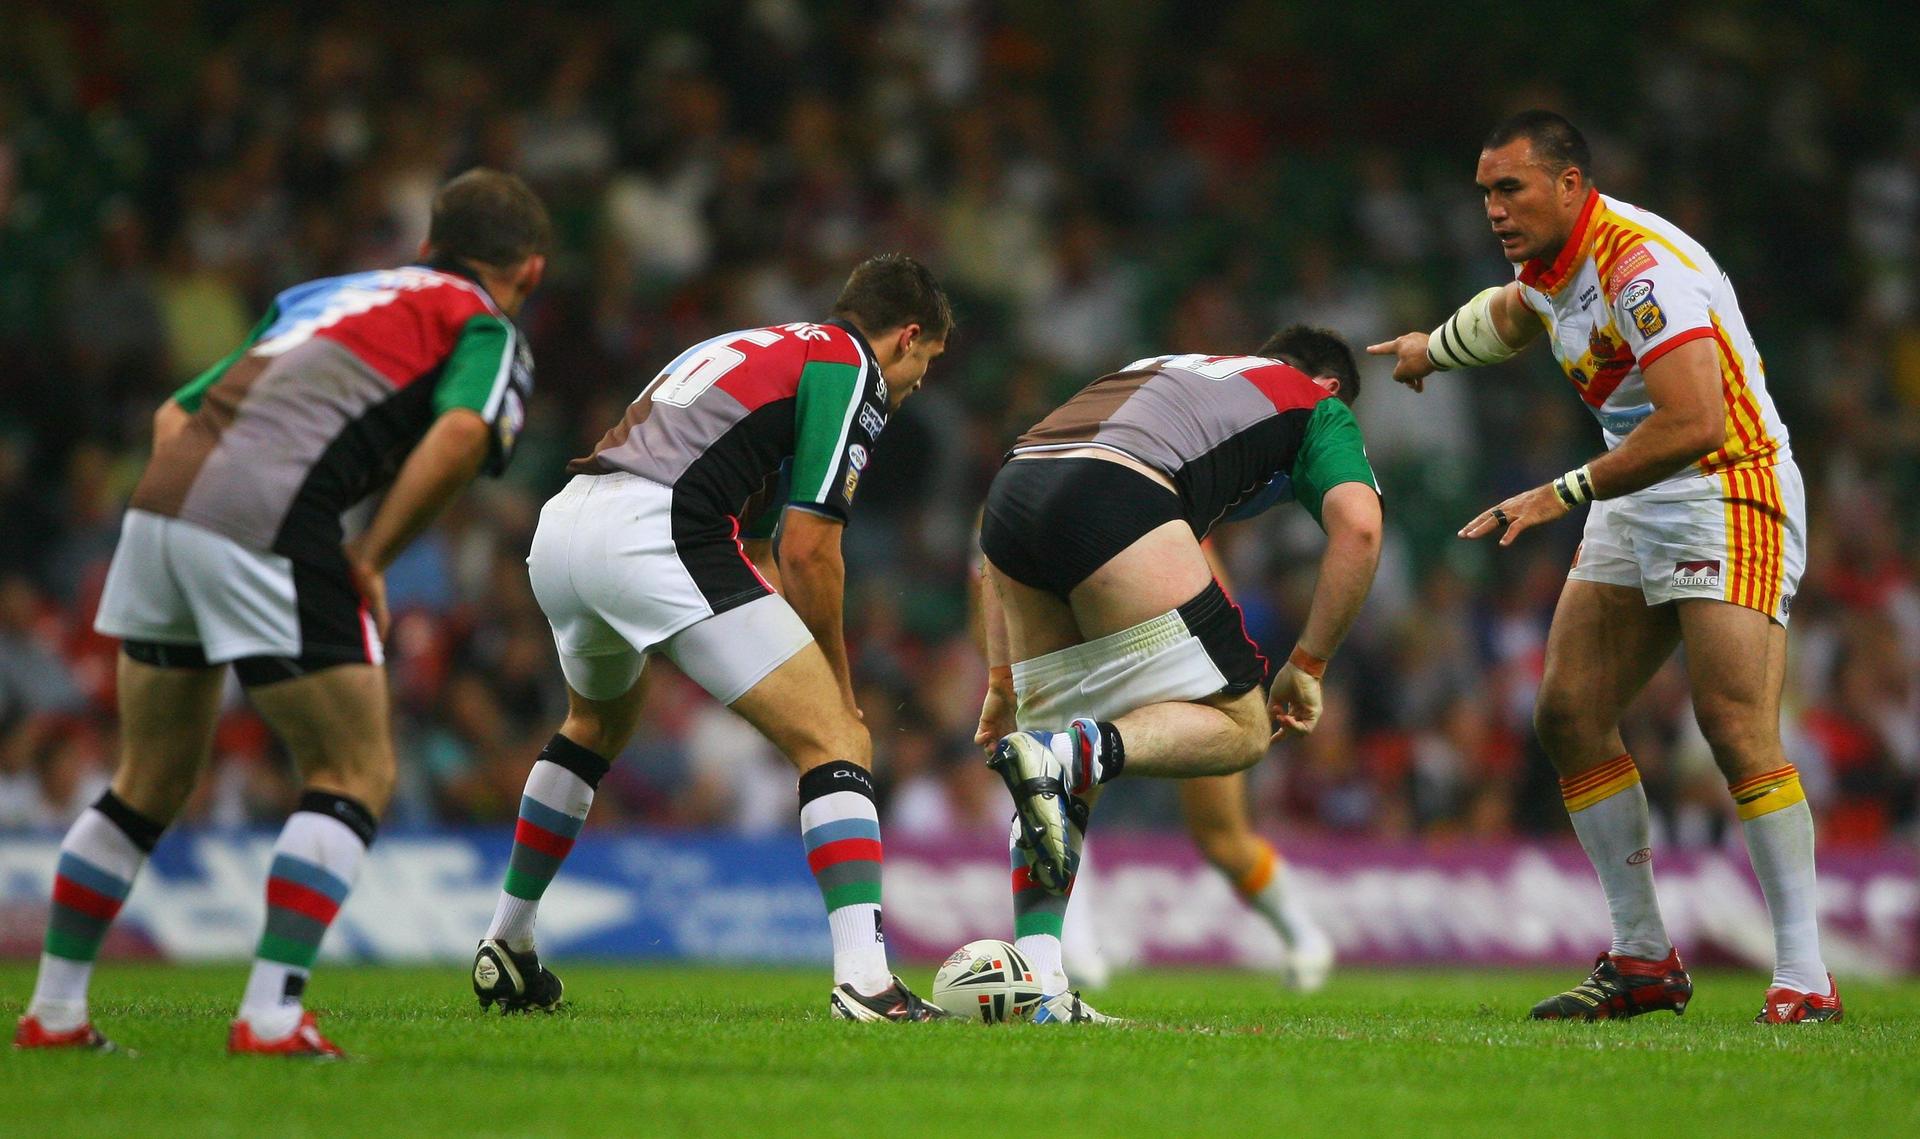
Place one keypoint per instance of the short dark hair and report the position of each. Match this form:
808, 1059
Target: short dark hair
892, 290
488, 217
1317, 352
1557, 143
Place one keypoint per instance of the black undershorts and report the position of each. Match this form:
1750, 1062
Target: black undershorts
1049, 523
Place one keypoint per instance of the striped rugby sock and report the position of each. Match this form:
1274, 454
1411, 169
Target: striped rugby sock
1779, 831
1608, 807
314, 864
553, 807
103, 851
1038, 914
841, 829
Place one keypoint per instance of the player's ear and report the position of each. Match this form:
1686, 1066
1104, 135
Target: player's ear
425, 252
1330, 383
909, 336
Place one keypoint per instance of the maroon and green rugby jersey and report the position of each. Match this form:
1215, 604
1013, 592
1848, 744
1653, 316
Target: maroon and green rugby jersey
1234, 434
325, 399
718, 422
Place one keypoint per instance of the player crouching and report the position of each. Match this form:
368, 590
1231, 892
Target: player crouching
1112, 646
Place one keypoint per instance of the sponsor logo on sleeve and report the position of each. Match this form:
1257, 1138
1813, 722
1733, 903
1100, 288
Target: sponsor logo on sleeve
1631, 264
871, 421
1697, 575
1643, 308
880, 385
857, 457
853, 480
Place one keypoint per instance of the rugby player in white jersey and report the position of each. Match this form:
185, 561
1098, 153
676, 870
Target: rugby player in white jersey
1695, 536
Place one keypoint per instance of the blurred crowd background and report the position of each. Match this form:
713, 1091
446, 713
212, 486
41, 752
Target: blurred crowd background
1094, 181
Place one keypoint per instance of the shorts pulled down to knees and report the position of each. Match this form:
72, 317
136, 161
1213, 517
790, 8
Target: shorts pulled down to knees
1187, 654
182, 596
1738, 537
616, 587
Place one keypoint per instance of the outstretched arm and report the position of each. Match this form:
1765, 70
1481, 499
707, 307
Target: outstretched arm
1689, 422
1493, 326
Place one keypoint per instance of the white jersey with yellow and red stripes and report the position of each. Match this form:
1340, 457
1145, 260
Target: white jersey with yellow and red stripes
1628, 288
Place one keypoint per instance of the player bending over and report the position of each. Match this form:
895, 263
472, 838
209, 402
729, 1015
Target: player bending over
1111, 647
1215, 811
406, 381
1696, 536
641, 554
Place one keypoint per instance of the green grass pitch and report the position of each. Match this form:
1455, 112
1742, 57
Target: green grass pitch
670, 1051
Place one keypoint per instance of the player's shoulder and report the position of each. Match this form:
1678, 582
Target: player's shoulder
824, 342
1630, 242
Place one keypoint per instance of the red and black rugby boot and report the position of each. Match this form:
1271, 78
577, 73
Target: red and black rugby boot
1622, 986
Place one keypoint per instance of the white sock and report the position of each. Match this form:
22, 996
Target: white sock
318, 855
60, 995
1288, 916
840, 828
1042, 951
555, 802
98, 862
1608, 807
1779, 830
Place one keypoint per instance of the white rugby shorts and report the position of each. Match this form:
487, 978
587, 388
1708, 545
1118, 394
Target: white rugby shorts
174, 583
1739, 537
616, 589
1153, 662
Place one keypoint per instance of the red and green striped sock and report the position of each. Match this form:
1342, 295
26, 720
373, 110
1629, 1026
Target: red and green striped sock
314, 863
553, 808
841, 829
99, 858
1039, 914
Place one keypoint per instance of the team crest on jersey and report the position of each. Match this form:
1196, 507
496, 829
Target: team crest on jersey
1644, 310
1697, 575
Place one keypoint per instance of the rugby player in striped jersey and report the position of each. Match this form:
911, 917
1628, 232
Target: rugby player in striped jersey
1695, 537
641, 554
1112, 648
392, 387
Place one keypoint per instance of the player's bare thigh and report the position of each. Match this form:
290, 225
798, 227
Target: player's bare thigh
798, 708
337, 724
1736, 664
1038, 623
1605, 644
167, 716
1162, 570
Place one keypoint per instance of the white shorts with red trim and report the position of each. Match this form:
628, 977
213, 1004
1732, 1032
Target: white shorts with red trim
174, 583
1739, 537
616, 589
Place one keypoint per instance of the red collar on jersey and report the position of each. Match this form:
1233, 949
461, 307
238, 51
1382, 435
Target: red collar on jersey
1548, 278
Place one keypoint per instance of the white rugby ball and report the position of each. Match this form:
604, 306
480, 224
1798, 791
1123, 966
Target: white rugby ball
989, 980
